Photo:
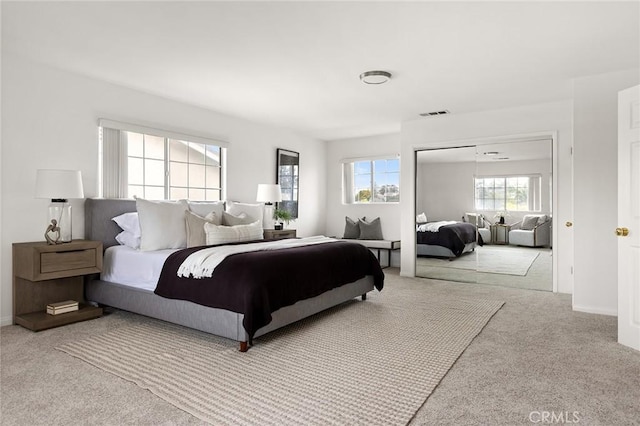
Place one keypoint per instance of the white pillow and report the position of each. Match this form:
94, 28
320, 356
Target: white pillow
162, 224
203, 208
231, 220
232, 234
128, 239
129, 222
421, 218
254, 211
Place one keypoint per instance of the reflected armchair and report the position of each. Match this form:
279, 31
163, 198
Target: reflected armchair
482, 224
531, 231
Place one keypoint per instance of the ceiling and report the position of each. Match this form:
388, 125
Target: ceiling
296, 64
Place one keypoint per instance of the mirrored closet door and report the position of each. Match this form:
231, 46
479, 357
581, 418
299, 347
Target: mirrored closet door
483, 214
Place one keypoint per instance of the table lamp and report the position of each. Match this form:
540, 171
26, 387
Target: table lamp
59, 186
268, 193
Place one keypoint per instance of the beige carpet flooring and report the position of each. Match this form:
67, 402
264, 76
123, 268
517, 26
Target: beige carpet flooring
538, 276
535, 355
367, 363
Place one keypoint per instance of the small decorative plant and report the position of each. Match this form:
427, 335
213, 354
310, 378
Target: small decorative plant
501, 216
282, 216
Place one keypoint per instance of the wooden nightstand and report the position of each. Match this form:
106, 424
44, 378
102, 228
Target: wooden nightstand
44, 274
279, 234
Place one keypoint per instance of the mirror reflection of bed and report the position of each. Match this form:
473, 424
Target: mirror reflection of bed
461, 194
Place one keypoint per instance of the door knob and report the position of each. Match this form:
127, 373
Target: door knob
568, 224
622, 232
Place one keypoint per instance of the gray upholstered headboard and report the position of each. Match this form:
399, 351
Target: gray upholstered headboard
98, 213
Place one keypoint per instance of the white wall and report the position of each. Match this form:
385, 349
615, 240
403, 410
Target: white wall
595, 135
462, 129
337, 210
50, 120
444, 191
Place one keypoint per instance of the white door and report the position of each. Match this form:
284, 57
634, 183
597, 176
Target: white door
628, 230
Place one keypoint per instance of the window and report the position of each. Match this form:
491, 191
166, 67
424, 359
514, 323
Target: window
508, 193
372, 181
154, 164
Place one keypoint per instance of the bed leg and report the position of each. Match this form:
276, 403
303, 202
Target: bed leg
244, 346
364, 296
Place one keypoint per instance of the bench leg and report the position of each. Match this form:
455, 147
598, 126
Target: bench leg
388, 258
244, 347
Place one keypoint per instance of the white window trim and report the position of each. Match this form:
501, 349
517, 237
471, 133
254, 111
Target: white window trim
537, 192
116, 183
163, 133
347, 178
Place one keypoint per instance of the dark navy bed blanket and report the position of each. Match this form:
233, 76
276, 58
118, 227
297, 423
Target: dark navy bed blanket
261, 282
454, 237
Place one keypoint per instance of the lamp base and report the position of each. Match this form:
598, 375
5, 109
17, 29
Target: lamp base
267, 218
59, 216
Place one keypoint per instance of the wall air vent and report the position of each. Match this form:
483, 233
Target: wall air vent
431, 114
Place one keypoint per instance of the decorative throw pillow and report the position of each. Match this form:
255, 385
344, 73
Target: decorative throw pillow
370, 230
529, 222
162, 224
231, 234
253, 211
203, 208
421, 218
351, 228
195, 227
126, 238
542, 219
129, 222
229, 219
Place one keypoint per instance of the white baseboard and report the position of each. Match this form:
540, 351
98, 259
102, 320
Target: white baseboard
592, 310
6, 321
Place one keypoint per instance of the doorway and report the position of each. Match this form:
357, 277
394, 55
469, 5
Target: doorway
486, 189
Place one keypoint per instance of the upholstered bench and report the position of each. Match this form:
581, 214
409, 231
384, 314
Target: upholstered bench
379, 245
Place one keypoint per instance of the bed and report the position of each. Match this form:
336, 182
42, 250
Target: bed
448, 239
136, 292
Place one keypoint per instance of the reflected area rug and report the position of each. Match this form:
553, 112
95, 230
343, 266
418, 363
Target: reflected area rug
491, 259
371, 363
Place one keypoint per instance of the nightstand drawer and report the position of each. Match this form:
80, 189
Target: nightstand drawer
67, 260
39, 261
279, 234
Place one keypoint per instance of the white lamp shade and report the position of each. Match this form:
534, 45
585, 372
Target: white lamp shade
59, 184
269, 193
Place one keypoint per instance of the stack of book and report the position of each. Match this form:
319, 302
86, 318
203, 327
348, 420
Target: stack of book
62, 307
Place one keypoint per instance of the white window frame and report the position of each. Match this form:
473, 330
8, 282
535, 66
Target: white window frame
348, 179
534, 198
113, 164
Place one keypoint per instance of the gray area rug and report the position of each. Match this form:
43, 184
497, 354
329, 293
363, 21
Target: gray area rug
490, 259
372, 362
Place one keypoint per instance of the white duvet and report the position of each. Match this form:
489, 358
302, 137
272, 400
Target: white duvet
203, 262
135, 268
434, 226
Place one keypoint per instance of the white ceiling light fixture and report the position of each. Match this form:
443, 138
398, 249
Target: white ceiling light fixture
375, 77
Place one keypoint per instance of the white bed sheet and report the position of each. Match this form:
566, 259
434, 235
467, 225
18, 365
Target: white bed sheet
139, 269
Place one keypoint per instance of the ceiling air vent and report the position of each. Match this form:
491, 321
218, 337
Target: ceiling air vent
430, 114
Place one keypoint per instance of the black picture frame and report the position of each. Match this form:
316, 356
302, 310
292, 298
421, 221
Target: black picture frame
288, 177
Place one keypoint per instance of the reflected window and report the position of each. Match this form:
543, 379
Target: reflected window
508, 193
288, 177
